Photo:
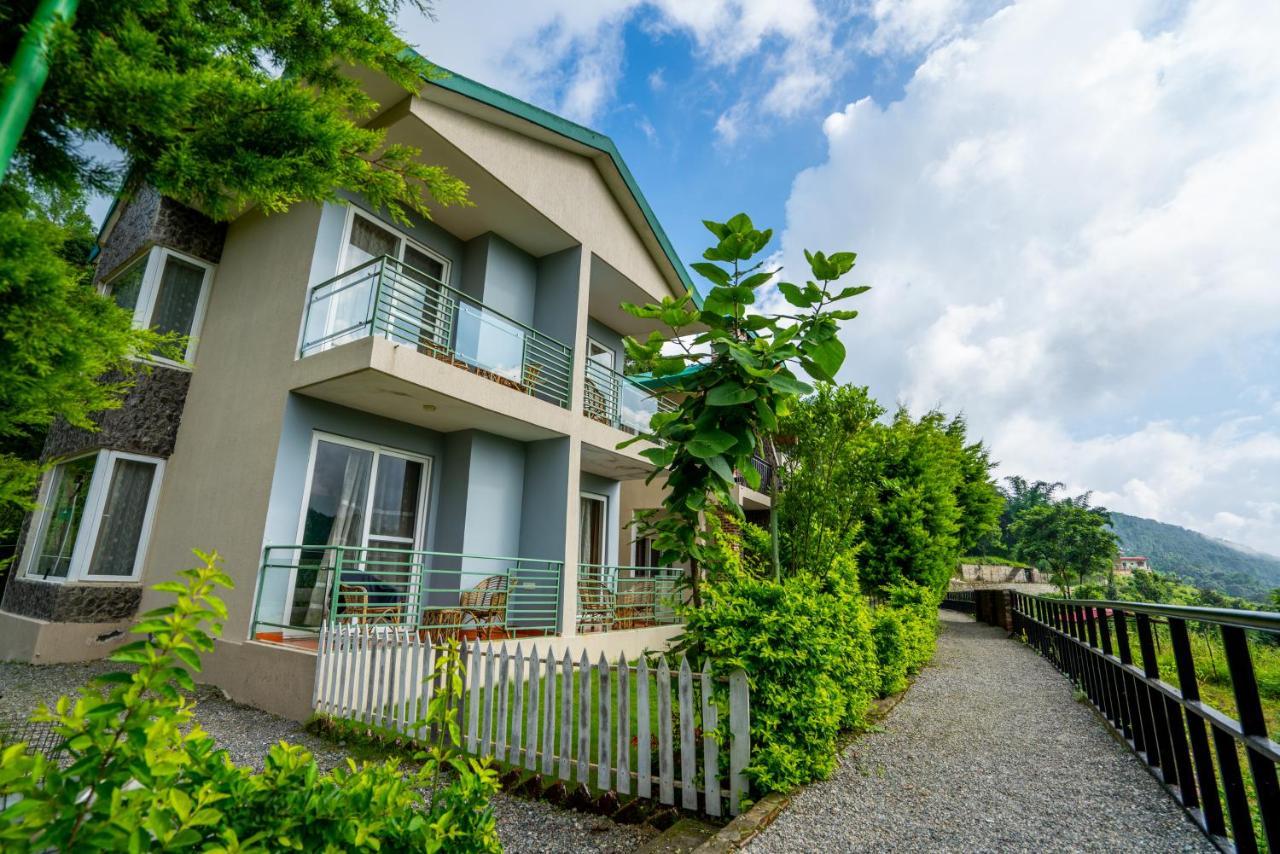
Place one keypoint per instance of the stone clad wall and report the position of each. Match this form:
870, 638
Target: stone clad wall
146, 423
150, 219
72, 603
999, 574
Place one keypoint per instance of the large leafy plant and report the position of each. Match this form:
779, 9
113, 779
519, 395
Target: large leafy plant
734, 373
139, 774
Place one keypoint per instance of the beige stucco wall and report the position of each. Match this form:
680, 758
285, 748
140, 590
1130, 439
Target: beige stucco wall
541, 173
218, 481
276, 679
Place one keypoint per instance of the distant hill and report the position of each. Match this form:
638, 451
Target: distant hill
1197, 559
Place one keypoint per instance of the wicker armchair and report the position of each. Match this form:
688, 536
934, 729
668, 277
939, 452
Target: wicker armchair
635, 603
595, 608
486, 603
353, 603
441, 624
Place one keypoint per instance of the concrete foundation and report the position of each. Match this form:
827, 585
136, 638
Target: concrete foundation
37, 641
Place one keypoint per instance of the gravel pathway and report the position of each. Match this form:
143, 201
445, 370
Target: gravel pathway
247, 734
988, 751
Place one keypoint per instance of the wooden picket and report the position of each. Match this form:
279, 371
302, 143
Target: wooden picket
530, 709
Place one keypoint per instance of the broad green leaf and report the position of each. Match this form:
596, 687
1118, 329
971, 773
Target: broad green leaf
739, 223
788, 384
720, 466
709, 443
711, 272
730, 394
828, 355
852, 292
794, 295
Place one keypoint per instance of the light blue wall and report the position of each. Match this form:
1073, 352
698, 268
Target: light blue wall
602, 334
303, 417
495, 493
333, 218
546, 483
612, 490
555, 309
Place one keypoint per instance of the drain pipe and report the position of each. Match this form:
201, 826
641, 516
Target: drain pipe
27, 73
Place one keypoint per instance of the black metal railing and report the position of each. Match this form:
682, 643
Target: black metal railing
765, 470
958, 600
1109, 649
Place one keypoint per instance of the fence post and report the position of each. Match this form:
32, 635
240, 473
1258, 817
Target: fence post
740, 738
336, 580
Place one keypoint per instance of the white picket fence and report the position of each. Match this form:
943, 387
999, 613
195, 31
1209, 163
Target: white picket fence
565, 719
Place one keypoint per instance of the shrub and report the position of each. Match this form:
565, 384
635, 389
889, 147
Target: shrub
805, 644
141, 775
891, 655
917, 609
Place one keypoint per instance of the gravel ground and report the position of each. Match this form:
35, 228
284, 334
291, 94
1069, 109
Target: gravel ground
247, 734
988, 751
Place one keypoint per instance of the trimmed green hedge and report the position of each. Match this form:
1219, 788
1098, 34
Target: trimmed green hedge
815, 655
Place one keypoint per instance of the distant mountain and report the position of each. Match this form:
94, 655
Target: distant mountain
1197, 559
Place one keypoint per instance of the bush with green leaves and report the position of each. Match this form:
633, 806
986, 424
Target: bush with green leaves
139, 774
891, 654
917, 609
805, 644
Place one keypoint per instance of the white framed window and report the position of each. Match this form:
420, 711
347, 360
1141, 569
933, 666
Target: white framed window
600, 354
365, 238
95, 518
167, 291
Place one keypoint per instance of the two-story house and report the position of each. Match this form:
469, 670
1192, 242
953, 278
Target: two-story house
404, 425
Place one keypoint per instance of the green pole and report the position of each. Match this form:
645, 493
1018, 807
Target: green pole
27, 74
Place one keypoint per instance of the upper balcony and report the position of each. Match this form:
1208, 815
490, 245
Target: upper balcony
509, 370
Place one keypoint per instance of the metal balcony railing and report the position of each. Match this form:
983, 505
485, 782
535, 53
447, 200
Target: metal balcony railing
618, 400
440, 594
388, 298
626, 597
765, 470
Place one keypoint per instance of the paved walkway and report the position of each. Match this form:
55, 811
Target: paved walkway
988, 751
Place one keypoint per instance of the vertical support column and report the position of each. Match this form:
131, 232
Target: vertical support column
569, 584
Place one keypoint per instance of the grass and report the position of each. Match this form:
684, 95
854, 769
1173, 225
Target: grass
516, 719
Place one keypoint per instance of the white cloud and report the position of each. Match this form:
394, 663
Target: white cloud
1073, 202
728, 125
568, 54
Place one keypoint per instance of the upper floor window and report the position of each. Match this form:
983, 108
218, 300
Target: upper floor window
368, 239
95, 518
166, 291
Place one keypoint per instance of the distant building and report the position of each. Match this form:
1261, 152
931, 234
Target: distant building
1126, 564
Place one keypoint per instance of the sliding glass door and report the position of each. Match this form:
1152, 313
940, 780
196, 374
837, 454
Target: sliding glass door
371, 500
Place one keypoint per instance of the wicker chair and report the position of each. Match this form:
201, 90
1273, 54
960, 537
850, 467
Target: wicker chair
441, 624
353, 603
486, 603
595, 608
635, 604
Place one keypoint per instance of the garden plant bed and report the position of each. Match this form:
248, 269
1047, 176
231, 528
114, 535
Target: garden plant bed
247, 733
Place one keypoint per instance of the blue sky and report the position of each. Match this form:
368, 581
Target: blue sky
1067, 209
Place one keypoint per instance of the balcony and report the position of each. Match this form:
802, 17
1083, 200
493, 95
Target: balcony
438, 594
613, 598
618, 400
765, 471
388, 299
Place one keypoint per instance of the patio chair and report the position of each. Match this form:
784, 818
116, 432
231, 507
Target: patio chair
441, 624
486, 604
635, 605
595, 608
354, 604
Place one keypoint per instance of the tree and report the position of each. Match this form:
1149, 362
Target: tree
828, 471
1074, 541
912, 522
979, 499
219, 105
1019, 495
733, 376
222, 105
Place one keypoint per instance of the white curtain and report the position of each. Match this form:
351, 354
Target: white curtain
348, 528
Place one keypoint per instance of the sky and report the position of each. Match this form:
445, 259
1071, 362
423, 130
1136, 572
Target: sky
1068, 210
